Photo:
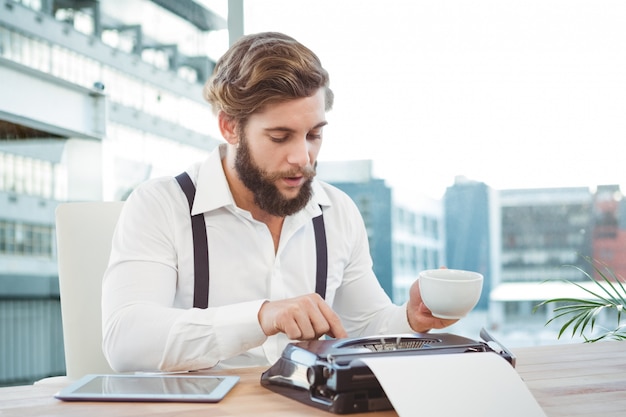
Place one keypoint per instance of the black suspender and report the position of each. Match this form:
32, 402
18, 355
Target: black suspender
201, 249
321, 272
200, 246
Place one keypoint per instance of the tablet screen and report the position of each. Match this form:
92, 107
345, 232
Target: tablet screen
149, 387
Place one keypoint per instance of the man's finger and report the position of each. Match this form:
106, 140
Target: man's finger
336, 329
292, 330
306, 325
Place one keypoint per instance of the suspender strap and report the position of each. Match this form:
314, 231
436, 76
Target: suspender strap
322, 255
200, 246
201, 249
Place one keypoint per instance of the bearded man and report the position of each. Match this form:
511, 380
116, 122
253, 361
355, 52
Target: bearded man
225, 264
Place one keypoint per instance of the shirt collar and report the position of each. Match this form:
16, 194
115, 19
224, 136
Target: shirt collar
212, 191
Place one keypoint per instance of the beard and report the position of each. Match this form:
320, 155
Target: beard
262, 184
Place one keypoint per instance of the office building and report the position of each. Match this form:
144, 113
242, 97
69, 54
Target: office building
546, 235
406, 234
609, 230
527, 242
418, 240
95, 97
473, 231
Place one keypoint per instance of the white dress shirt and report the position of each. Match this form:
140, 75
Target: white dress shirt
147, 298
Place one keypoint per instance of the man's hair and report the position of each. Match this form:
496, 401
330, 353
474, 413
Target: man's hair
261, 69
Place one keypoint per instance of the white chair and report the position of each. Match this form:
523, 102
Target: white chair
84, 232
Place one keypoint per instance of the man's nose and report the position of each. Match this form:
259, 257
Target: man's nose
299, 153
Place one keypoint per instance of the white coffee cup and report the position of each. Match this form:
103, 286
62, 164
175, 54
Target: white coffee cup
450, 293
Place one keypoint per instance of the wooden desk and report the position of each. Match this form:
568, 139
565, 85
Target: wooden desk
576, 379
567, 380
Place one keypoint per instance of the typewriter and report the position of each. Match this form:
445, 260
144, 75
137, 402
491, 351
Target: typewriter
329, 374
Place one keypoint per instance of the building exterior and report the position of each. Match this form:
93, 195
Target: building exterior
406, 235
95, 97
609, 230
526, 242
418, 235
542, 231
373, 198
473, 238
548, 237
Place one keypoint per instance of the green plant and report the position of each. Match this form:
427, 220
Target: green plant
580, 314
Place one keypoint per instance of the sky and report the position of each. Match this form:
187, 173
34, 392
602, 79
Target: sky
516, 94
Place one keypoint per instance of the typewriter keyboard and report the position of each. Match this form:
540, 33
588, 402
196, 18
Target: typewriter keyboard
392, 343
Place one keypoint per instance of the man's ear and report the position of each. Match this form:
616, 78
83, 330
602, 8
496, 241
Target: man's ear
228, 128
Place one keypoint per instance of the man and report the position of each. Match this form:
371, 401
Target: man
259, 200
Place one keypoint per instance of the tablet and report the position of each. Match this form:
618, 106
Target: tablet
149, 387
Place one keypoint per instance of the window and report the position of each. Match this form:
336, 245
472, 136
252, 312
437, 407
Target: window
24, 239
30, 176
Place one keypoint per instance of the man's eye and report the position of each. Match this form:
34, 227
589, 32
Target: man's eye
279, 140
314, 136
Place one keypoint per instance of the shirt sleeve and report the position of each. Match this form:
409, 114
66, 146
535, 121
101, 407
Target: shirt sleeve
143, 330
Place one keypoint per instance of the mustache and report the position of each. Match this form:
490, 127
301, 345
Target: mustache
307, 172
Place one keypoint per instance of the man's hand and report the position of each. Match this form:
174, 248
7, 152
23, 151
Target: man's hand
307, 317
420, 317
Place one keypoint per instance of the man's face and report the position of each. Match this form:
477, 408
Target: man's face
277, 153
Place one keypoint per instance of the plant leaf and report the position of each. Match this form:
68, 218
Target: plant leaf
581, 314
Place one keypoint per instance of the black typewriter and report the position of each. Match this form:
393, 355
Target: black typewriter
328, 374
